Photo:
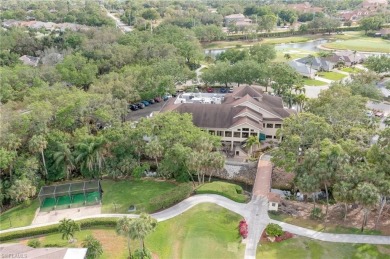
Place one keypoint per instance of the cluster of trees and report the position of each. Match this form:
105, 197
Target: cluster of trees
85, 12
138, 228
371, 23
329, 148
253, 65
378, 64
66, 117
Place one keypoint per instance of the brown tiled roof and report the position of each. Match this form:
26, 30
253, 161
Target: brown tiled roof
246, 120
41, 253
225, 115
274, 197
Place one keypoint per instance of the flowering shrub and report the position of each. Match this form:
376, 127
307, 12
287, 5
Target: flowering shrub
243, 228
286, 235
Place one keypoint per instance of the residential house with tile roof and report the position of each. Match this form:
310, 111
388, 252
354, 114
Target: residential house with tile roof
16, 250
248, 111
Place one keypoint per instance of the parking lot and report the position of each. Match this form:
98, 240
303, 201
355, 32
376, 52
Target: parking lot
136, 115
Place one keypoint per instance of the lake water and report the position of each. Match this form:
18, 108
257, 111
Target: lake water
309, 46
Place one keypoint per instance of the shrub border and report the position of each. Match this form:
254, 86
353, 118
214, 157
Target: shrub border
84, 224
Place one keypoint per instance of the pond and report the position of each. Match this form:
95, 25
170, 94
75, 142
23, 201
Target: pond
309, 46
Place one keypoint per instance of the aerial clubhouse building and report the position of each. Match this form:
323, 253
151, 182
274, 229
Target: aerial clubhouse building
247, 111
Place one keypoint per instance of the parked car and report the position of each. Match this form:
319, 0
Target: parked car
151, 101
223, 90
141, 105
210, 90
146, 103
133, 107
158, 99
230, 90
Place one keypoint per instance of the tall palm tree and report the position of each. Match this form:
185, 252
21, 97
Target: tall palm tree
38, 144
300, 100
251, 141
95, 248
141, 227
154, 149
310, 61
90, 155
123, 227
67, 228
63, 158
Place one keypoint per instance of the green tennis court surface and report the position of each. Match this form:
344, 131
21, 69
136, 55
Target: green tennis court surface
93, 197
78, 198
48, 204
63, 202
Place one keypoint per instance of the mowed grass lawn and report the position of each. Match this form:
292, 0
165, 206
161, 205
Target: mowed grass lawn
228, 190
300, 247
114, 246
313, 82
319, 226
18, 216
132, 192
352, 70
361, 44
331, 75
205, 231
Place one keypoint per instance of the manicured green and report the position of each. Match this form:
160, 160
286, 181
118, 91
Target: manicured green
18, 216
320, 226
132, 192
313, 82
228, 190
300, 247
368, 44
331, 75
352, 70
205, 231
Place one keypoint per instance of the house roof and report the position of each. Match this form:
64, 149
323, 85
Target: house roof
316, 62
233, 110
29, 60
274, 197
302, 68
235, 16
42, 253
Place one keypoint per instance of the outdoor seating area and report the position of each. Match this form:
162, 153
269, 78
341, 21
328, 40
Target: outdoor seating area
70, 195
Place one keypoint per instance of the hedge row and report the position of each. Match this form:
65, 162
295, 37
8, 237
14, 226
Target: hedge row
167, 199
84, 224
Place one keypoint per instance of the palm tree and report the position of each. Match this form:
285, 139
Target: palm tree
354, 58
37, 144
287, 56
63, 158
90, 155
67, 228
141, 227
154, 150
300, 100
123, 227
310, 60
95, 248
251, 141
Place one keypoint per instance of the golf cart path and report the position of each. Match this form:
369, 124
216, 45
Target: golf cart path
239, 208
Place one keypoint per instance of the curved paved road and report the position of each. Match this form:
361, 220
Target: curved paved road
248, 211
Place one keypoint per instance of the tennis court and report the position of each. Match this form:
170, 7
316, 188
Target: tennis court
63, 202
70, 195
48, 204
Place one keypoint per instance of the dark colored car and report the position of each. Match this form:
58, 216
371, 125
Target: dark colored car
165, 98
141, 105
151, 101
146, 103
158, 99
210, 90
223, 90
133, 107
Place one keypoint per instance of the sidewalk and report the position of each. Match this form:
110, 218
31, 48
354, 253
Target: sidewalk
337, 238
